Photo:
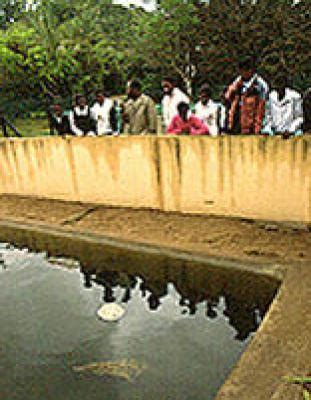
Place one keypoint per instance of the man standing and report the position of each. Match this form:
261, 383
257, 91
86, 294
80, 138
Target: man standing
104, 114
172, 97
81, 121
139, 112
247, 97
284, 113
307, 111
208, 111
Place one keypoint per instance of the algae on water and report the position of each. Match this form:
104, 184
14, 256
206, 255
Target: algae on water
126, 369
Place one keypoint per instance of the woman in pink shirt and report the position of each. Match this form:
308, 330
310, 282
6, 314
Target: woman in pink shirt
185, 123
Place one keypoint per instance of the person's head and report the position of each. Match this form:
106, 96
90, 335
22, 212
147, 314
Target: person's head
210, 312
281, 83
100, 96
57, 109
168, 84
205, 94
134, 89
307, 94
183, 109
81, 101
154, 302
222, 95
247, 68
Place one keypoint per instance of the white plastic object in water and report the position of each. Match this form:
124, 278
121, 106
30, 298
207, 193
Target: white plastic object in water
111, 312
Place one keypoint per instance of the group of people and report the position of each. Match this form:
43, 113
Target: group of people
247, 106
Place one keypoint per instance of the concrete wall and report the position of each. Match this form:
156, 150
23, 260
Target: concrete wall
253, 177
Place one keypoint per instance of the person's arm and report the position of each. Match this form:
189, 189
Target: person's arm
113, 118
51, 120
165, 112
233, 89
196, 109
53, 126
214, 124
297, 122
74, 129
152, 117
259, 116
93, 120
184, 97
173, 127
268, 119
67, 130
93, 113
198, 127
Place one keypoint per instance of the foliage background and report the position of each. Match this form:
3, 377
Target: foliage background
51, 50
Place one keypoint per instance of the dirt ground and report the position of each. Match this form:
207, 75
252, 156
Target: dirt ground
239, 239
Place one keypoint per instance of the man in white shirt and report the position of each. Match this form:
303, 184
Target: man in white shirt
172, 97
307, 111
208, 111
284, 112
80, 119
104, 114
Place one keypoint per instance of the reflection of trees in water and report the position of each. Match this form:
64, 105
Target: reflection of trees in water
194, 286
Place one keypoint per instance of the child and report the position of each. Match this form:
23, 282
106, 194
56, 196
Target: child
59, 121
185, 123
81, 121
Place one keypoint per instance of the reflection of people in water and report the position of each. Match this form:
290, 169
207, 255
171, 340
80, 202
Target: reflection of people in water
154, 302
192, 292
157, 289
210, 309
241, 316
87, 280
87, 275
110, 280
128, 283
195, 286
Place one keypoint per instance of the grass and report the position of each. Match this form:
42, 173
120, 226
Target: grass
30, 127
304, 382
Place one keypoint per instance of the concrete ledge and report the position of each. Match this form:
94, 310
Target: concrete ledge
252, 177
281, 347
57, 241
282, 344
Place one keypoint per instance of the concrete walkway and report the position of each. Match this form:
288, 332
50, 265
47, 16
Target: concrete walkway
282, 346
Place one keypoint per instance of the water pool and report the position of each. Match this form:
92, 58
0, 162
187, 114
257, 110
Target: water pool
183, 331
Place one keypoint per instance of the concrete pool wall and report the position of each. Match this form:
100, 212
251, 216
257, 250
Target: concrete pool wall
282, 344
251, 177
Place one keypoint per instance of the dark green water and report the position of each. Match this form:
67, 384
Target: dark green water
186, 328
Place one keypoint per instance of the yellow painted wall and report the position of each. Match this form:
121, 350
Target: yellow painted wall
254, 177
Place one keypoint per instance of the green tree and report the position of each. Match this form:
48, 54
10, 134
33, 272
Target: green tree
167, 39
11, 11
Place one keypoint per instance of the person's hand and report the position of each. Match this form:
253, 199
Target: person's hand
286, 135
239, 84
125, 118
